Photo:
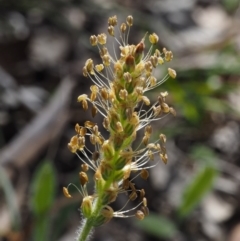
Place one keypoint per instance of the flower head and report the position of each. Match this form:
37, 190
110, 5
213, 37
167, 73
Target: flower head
118, 94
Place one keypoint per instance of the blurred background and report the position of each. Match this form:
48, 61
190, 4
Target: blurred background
43, 46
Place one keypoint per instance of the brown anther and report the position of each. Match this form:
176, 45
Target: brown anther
111, 30
66, 193
142, 193
106, 60
123, 27
81, 142
144, 202
95, 130
89, 124
157, 110
150, 155
164, 95
133, 196
160, 60
93, 40
144, 174
158, 147
78, 128
160, 99
152, 81
148, 130
172, 73
162, 138
132, 186
83, 178
99, 67
85, 72
148, 67
151, 146
145, 210
164, 158
129, 20
154, 61
84, 105
106, 123
94, 110
157, 53
165, 107
94, 89
103, 51
145, 140
71, 148
125, 184
153, 38
85, 167
102, 38
82, 97
145, 100
89, 65
95, 156
168, 56
139, 215
112, 21
93, 139
83, 131
104, 93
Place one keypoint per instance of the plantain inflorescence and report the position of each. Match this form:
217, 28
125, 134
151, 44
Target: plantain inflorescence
118, 94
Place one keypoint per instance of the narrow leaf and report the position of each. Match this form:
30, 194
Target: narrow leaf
197, 190
158, 226
43, 188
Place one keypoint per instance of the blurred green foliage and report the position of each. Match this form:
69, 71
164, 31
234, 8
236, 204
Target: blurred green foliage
42, 197
158, 226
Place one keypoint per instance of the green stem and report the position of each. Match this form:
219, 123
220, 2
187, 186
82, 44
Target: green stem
85, 230
87, 226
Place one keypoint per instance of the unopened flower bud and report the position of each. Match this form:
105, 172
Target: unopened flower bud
86, 206
129, 65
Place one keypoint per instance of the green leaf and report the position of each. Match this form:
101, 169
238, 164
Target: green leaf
43, 188
158, 226
195, 191
41, 228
